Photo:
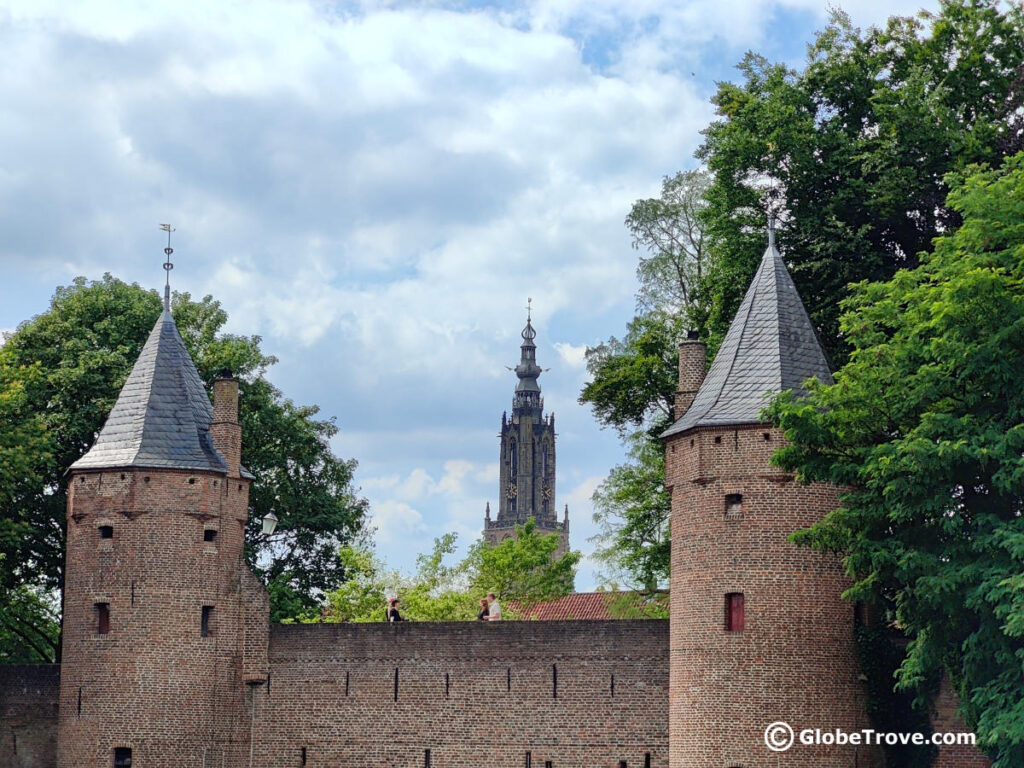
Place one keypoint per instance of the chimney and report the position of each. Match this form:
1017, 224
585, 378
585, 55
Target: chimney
692, 364
225, 429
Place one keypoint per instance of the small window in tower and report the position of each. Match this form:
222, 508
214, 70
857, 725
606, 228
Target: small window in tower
734, 612
734, 505
206, 623
102, 618
123, 757
210, 535
106, 531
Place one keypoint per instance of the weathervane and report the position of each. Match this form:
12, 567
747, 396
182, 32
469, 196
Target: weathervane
168, 266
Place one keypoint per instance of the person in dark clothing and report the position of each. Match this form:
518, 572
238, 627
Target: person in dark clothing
484, 610
393, 614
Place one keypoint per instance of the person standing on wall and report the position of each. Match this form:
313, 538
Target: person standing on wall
494, 608
393, 614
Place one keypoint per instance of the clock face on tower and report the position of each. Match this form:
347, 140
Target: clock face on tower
512, 491
546, 493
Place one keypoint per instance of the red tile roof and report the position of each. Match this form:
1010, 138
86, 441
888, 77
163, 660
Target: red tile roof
578, 605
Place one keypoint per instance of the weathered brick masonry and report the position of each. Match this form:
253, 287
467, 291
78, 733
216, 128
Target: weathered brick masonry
28, 715
582, 693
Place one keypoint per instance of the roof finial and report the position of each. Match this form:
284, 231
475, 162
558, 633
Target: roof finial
771, 229
168, 266
529, 302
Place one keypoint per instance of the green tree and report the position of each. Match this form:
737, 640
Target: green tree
632, 514
924, 426
522, 569
61, 372
436, 592
852, 151
633, 380
29, 626
667, 229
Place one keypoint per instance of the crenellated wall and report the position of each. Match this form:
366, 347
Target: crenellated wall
575, 693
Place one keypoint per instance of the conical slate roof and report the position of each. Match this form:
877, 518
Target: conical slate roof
770, 347
162, 417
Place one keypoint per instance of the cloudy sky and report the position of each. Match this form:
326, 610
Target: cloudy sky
376, 188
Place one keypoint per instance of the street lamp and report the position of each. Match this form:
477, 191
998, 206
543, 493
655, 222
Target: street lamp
269, 522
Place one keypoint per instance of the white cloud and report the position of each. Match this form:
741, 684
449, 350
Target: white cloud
582, 493
574, 356
417, 485
396, 522
376, 189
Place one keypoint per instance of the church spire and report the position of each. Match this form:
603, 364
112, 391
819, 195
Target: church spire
527, 396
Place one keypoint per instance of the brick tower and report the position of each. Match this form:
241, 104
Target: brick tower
758, 630
526, 482
157, 595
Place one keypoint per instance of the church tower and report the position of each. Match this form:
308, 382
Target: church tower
526, 485
165, 627
759, 632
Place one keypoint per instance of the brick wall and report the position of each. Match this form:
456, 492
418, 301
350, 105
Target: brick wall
945, 719
795, 659
154, 684
581, 693
28, 715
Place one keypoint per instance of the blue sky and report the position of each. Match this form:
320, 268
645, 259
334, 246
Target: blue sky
376, 188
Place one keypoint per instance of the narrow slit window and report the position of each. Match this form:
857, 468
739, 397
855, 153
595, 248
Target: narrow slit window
106, 531
206, 622
102, 618
303, 756
210, 535
734, 505
734, 616
529, 760
647, 760
123, 757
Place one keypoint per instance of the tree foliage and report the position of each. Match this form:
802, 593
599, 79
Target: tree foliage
853, 150
851, 153
667, 229
925, 427
522, 569
632, 514
633, 380
60, 374
29, 626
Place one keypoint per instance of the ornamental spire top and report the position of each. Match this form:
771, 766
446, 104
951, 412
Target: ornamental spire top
168, 266
527, 395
